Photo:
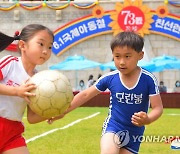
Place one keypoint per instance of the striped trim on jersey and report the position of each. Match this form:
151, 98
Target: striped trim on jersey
154, 79
112, 73
108, 74
131, 150
5, 62
107, 119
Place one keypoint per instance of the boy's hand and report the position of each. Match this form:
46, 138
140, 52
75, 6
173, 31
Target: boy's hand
51, 120
140, 119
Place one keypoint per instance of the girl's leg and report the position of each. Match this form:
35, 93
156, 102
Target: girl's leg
12, 141
108, 145
19, 150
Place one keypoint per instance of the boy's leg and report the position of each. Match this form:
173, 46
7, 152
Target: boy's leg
124, 151
19, 150
108, 146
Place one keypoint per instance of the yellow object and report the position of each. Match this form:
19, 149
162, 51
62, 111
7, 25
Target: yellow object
17, 4
44, 4
96, 2
165, 1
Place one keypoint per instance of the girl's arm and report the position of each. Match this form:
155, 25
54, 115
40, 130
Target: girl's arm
32, 117
21, 91
8, 90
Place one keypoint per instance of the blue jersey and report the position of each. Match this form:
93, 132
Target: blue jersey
124, 101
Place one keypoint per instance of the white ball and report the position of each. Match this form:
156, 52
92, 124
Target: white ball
53, 93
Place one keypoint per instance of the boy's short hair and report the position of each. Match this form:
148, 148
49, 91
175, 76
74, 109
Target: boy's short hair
129, 39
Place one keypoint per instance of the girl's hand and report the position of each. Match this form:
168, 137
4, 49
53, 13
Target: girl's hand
140, 119
23, 91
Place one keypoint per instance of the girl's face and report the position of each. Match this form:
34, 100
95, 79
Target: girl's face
126, 59
38, 49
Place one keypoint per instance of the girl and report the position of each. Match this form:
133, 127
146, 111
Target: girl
35, 43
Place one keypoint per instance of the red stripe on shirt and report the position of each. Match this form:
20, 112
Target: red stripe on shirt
5, 59
1, 75
8, 61
5, 62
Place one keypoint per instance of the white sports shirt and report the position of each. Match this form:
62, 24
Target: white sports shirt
12, 73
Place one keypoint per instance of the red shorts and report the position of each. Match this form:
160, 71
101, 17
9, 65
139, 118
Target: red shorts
11, 134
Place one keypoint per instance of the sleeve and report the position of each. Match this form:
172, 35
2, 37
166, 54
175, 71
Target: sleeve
5, 66
1, 75
102, 83
153, 86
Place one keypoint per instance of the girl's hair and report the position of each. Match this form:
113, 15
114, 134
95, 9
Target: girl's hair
26, 34
129, 39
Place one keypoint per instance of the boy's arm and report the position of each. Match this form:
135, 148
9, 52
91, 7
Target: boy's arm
79, 99
82, 97
157, 108
142, 118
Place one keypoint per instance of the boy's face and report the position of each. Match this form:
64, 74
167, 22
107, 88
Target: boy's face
126, 59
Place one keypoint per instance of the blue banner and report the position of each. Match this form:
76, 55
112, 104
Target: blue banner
89, 26
79, 31
167, 26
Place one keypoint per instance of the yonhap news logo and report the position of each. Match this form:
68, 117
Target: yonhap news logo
121, 138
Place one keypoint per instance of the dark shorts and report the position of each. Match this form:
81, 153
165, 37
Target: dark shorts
11, 134
128, 138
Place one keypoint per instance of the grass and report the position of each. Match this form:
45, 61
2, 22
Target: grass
167, 125
84, 137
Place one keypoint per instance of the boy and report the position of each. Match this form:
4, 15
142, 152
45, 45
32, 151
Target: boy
131, 89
